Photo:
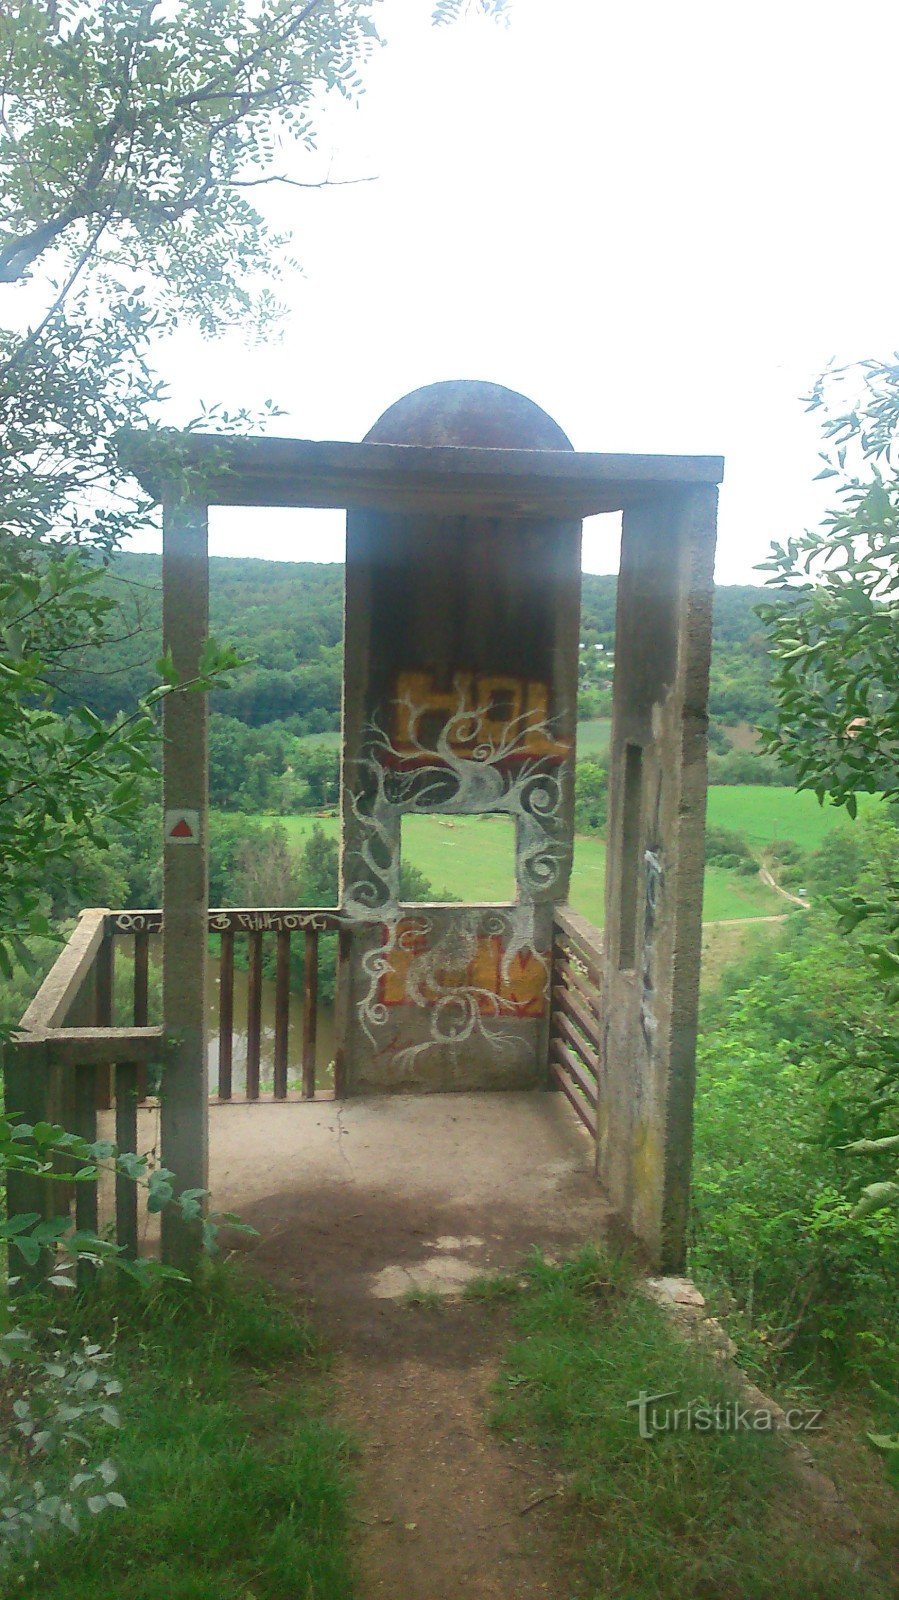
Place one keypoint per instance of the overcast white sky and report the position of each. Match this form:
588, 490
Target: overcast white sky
658, 220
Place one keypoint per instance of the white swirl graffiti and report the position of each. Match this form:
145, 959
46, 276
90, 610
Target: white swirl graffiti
137, 921
469, 767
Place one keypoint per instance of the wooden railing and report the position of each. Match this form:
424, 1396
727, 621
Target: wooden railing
256, 928
575, 1042
68, 1062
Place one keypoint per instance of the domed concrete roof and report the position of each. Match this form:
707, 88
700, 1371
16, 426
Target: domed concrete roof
469, 413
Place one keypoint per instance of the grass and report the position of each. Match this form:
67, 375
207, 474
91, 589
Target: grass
424, 1299
330, 740
473, 857
714, 1515
763, 813
236, 1484
724, 943
593, 736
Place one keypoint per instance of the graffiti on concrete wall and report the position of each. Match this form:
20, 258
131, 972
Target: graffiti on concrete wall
468, 763
487, 745
511, 714
471, 962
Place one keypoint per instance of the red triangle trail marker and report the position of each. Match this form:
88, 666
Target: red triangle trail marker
182, 827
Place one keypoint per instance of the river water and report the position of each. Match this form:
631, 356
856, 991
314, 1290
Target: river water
324, 1052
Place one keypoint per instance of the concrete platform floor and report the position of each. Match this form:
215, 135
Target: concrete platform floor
374, 1197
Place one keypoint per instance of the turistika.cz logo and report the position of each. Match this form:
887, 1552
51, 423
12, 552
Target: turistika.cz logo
701, 1416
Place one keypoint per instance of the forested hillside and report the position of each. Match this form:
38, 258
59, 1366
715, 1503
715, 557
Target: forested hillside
739, 688
288, 618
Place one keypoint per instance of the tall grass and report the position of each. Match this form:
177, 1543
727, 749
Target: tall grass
235, 1482
710, 1515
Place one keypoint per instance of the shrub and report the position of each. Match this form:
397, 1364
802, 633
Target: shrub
725, 848
793, 1065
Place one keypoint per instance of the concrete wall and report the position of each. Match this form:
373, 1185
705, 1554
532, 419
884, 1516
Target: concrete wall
654, 869
460, 698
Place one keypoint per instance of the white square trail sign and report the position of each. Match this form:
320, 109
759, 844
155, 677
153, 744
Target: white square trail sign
182, 827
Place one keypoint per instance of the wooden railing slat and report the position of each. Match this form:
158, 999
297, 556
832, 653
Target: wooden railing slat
254, 1015
226, 1014
310, 1013
569, 1003
96, 1047
282, 1014
86, 1200
575, 982
571, 968
141, 998
573, 1066
340, 1065
568, 951
575, 1049
60, 988
585, 940
224, 919
576, 1041
105, 975
583, 1110
126, 1092
81, 994
26, 1082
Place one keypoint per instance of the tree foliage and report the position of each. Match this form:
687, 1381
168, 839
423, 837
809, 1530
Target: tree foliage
135, 131
797, 1067
591, 795
134, 137
835, 632
451, 10
834, 635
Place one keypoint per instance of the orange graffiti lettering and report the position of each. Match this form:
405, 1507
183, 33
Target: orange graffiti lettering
520, 991
509, 714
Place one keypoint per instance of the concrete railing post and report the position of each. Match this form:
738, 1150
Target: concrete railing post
184, 1108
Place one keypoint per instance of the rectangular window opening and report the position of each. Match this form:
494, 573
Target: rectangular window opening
470, 859
630, 856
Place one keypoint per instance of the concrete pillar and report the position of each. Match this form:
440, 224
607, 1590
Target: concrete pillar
654, 872
185, 621
460, 698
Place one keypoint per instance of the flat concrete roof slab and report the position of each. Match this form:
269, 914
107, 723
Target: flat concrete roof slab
217, 470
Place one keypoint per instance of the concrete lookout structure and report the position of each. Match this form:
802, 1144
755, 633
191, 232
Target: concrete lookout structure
465, 505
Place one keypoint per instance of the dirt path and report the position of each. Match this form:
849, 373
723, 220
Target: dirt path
746, 922
429, 1192
448, 1510
768, 878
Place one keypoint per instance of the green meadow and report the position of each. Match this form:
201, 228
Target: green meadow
764, 813
593, 736
473, 857
331, 740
